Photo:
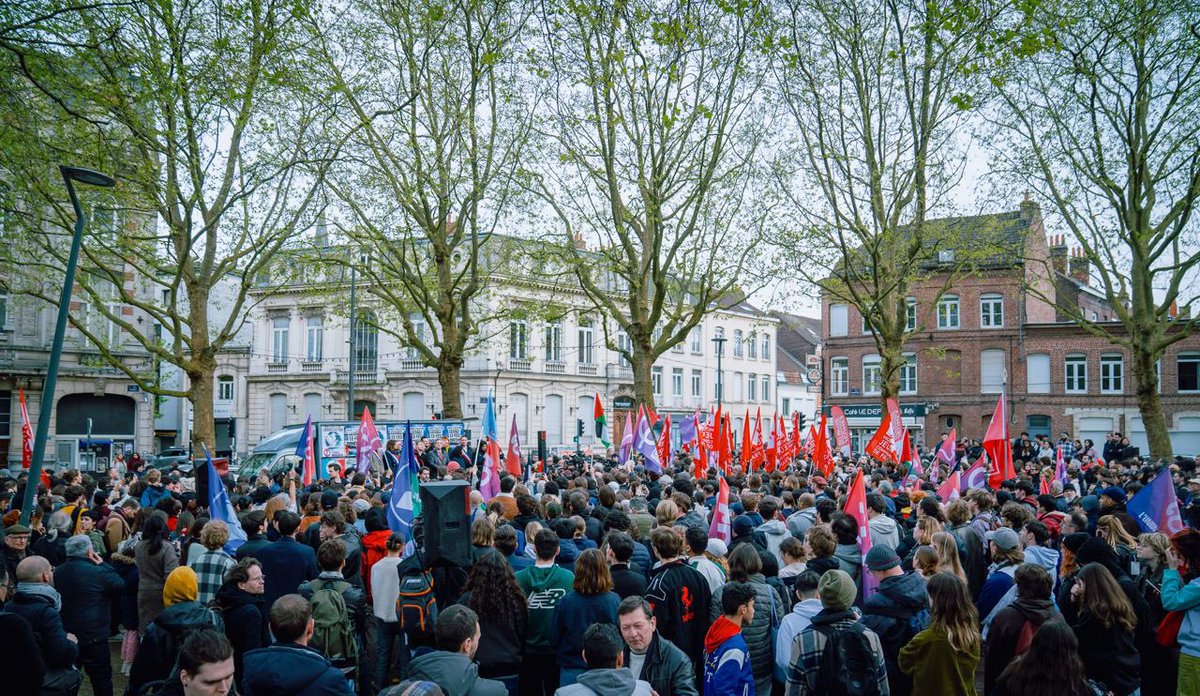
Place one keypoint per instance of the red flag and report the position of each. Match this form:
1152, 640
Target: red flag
949, 490
769, 447
721, 527
1044, 488
664, 443
746, 447
757, 456
727, 453
881, 446
841, 430
822, 458
796, 434
26, 436
512, 460
898, 428
998, 446
856, 507
652, 417
810, 442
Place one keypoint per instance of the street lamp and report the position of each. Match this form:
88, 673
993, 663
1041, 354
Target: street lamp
92, 178
720, 343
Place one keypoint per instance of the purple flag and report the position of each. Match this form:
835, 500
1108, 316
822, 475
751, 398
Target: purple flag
627, 438
646, 446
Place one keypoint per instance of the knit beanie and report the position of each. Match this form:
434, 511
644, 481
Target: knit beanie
181, 586
836, 590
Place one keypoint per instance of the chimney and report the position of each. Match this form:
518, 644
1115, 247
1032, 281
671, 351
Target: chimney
579, 243
1081, 269
1058, 253
1030, 211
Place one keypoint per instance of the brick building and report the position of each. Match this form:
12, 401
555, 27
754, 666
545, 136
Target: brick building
1001, 328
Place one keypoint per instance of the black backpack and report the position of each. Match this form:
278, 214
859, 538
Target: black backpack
847, 663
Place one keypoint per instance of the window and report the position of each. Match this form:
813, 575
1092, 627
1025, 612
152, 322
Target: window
871, 377
3, 302
586, 355
752, 387
656, 374
738, 341
766, 389
839, 376
866, 327
738, 385
518, 341
554, 342
787, 407
948, 312
991, 311
276, 411
1112, 374
752, 347
366, 343
418, 323
1187, 369
838, 322
696, 339
910, 314
697, 384
279, 339
1075, 373
677, 381
1037, 373
677, 348
946, 256
992, 371
225, 388
1037, 425
908, 375
315, 339
766, 347
624, 344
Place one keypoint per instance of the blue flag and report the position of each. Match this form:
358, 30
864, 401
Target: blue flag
221, 508
1155, 507
401, 509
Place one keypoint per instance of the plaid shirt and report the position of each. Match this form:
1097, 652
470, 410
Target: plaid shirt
807, 648
210, 569
1068, 450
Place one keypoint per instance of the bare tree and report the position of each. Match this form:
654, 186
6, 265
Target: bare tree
434, 124
652, 143
195, 107
879, 91
1107, 128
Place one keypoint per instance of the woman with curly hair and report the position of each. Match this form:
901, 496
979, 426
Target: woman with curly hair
942, 658
492, 593
1051, 666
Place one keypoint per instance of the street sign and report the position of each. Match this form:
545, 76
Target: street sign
623, 402
132, 388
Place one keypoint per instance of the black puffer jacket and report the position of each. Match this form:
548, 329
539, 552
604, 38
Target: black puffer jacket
245, 618
666, 669
1005, 631
88, 592
890, 613
769, 610
160, 645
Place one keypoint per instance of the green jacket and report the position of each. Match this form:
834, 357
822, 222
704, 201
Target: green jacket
936, 668
544, 588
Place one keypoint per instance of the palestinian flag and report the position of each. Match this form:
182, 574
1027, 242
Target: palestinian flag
601, 422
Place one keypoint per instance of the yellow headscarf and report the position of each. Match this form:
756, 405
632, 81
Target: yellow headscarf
181, 586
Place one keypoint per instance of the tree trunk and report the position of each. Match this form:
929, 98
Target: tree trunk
1149, 405
643, 383
200, 394
890, 362
450, 380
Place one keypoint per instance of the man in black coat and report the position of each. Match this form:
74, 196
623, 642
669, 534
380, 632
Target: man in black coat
896, 612
88, 587
286, 563
626, 582
651, 657
39, 604
254, 524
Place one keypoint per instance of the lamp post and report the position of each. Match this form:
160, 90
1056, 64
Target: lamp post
351, 363
719, 341
70, 175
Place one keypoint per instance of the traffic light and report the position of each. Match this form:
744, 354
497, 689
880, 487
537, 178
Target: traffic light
579, 427
801, 421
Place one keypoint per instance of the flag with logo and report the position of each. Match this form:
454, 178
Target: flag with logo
1156, 508
897, 421
720, 527
946, 450
512, 461
602, 433
646, 445
404, 504
856, 507
998, 446
367, 443
881, 446
822, 457
221, 508
950, 489
26, 436
627, 438
841, 430
307, 452
489, 478
664, 441
976, 476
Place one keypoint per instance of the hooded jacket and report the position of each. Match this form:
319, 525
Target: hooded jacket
455, 673
374, 545
769, 610
850, 559
1043, 556
884, 532
245, 618
160, 645
666, 669
801, 521
680, 599
1005, 631
892, 613
727, 669
775, 532
287, 669
606, 682
544, 588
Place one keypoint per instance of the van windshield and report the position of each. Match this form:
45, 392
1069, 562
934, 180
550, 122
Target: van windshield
283, 439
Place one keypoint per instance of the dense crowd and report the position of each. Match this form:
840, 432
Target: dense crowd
594, 576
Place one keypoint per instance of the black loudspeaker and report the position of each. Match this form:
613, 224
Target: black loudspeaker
542, 446
446, 513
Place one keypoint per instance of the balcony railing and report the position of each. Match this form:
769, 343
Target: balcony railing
517, 365
676, 401
412, 364
587, 370
311, 366
556, 367
360, 376
277, 368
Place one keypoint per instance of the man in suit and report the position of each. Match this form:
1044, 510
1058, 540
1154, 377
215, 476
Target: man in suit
286, 563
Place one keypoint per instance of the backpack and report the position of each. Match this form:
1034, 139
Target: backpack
332, 634
416, 605
1025, 638
847, 663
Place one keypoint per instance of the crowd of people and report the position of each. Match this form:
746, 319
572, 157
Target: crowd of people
594, 576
